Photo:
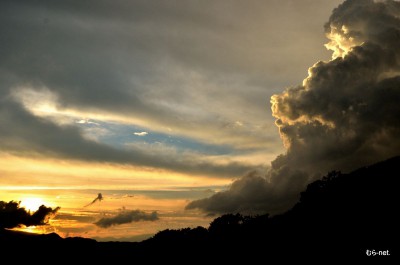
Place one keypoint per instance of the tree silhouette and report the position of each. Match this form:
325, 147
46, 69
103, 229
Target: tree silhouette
12, 215
340, 214
226, 226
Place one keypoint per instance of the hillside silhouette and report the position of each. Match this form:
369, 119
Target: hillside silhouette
340, 215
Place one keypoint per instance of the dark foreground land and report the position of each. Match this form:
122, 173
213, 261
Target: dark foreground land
338, 217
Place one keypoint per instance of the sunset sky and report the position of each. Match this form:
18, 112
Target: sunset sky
159, 105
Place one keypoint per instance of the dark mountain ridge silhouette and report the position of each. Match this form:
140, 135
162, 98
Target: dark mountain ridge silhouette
340, 215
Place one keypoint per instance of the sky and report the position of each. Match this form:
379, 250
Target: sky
177, 111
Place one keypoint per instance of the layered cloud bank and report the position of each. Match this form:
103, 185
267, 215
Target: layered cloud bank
343, 116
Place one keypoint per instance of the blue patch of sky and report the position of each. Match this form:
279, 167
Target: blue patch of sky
119, 135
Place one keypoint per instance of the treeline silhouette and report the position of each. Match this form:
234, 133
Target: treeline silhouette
341, 215
12, 215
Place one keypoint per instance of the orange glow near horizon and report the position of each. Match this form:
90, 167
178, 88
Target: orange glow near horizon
42, 173
72, 185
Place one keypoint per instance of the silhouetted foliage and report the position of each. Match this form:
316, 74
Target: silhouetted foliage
12, 215
226, 226
182, 235
341, 214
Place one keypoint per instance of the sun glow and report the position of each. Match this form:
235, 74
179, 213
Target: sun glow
32, 204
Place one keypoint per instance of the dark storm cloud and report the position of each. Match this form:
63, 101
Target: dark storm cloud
253, 193
125, 217
345, 115
11, 215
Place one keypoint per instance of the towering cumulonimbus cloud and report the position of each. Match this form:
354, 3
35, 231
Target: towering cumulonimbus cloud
344, 115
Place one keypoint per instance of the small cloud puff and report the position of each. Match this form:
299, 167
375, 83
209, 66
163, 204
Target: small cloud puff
140, 133
86, 121
126, 216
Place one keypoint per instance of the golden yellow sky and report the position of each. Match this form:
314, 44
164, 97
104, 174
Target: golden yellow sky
72, 185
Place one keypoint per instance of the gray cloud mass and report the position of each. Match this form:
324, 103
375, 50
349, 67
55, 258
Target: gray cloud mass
125, 217
345, 114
